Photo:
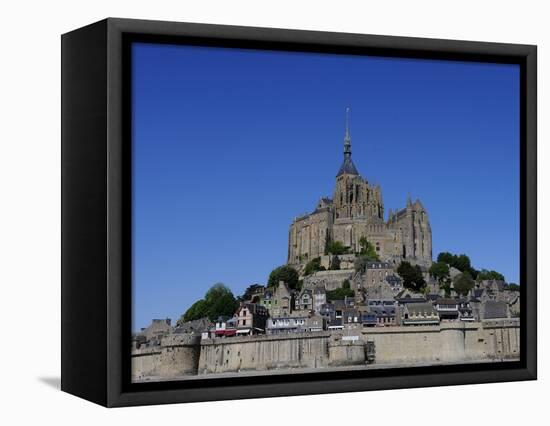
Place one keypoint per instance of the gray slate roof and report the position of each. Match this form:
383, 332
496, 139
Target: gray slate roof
347, 167
494, 309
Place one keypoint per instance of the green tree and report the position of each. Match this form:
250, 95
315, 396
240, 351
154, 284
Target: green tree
463, 283
250, 291
335, 263
336, 248
446, 257
412, 276
313, 265
447, 288
340, 293
284, 273
346, 284
485, 274
440, 271
368, 250
218, 300
197, 310
513, 287
460, 262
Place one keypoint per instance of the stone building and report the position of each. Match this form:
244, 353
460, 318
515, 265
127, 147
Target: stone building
319, 298
311, 299
155, 331
356, 210
304, 301
251, 318
419, 314
282, 301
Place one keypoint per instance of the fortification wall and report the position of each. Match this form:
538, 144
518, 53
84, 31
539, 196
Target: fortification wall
346, 352
178, 355
397, 346
421, 344
449, 342
145, 363
303, 350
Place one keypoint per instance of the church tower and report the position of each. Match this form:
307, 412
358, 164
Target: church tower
353, 196
356, 211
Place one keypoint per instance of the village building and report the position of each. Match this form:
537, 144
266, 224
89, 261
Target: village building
224, 327
319, 298
251, 319
419, 314
384, 313
493, 309
315, 322
466, 312
286, 324
304, 301
281, 301
368, 317
447, 308
351, 316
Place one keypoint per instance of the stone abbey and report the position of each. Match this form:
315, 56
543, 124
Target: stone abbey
355, 211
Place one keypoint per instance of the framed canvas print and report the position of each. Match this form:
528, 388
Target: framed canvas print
254, 212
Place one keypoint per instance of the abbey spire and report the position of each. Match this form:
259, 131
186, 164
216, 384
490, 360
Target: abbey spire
347, 166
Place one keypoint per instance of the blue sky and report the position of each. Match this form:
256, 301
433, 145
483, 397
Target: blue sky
229, 145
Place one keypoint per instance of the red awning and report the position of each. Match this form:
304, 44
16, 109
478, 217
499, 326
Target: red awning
230, 332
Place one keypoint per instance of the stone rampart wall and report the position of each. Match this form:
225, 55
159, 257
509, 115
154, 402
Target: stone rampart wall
303, 350
398, 346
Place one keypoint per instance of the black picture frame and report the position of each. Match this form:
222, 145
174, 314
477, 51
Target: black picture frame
96, 212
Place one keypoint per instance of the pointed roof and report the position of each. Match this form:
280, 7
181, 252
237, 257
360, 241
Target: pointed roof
347, 166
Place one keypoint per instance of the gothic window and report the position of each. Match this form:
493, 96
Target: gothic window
341, 198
